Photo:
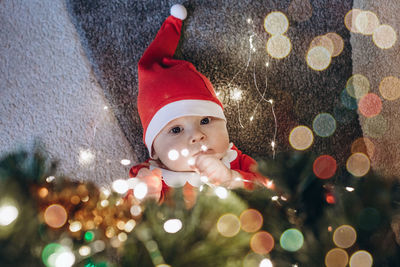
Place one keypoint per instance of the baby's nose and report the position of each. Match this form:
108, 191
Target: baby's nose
197, 137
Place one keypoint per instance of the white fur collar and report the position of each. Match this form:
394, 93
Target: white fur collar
178, 179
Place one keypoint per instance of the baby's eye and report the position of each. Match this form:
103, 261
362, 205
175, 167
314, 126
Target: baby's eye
205, 121
176, 130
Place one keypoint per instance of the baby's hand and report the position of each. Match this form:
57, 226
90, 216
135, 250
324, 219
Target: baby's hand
153, 181
212, 167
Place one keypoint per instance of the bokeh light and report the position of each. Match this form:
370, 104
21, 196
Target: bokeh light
358, 164
125, 162
384, 36
324, 124
129, 225
8, 214
56, 255
75, 226
262, 242
324, 167
140, 190
279, 46
251, 220
120, 186
367, 22
292, 240
86, 156
375, 127
228, 225
276, 23
43, 192
336, 257
84, 251
361, 258
252, 260
318, 58
357, 86
350, 20
369, 219
344, 236
324, 41
173, 154
390, 88
89, 236
300, 10
55, 215
266, 263
348, 101
301, 137
338, 43
172, 226
221, 192
185, 152
363, 145
370, 105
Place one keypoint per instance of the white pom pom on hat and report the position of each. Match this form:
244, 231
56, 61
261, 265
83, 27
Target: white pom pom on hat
178, 11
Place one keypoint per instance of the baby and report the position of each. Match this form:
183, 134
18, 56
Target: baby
184, 126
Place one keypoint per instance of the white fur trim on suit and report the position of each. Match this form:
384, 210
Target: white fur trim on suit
178, 11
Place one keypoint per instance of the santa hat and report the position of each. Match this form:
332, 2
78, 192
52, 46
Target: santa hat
171, 88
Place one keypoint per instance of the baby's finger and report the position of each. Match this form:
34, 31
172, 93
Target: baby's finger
156, 172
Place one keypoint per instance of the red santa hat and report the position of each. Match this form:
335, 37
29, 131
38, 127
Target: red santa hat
171, 88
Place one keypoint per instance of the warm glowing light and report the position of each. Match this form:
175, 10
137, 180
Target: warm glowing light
301, 137
274, 198
324, 124
357, 86
221, 192
121, 225
300, 10
120, 186
292, 240
228, 225
105, 193
384, 37
358, 164
43, 192
324, 167
129, 225
237, 94
367, 22
110, 232
251, 220
390, 88
318, 58
375, 127
104, 203
173, 154
266, 263
172, 226
363, 145
8, 214
185, 152
140, 190
336, 257
279, 46
276, 23
344, 236
361, 258
86, 157
75, 226
370, 105
122, 237
323, 41
98, 245
55, 215
350, 20
136, 210
84, 251
50, 179
125, 162
262, 242
65, 259
350, 189
338, 43
105, 107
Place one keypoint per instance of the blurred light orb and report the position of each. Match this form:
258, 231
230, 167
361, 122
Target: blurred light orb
276, 23
301, 137
324, 124
8, 214
251, 220
300, 10
318, 58
266, 263
75, 226
140, 190
363, 145
350, 20
86, 157
136, 210
357, 86
221, 192
98, 245
338, 43
43, 192
384, 36
348, 101
367, 22
172, 226
291, 240
344, 236
324, 167
129, 225
369, 219
361, 258
262, 242
252, 260
358, 164
228, 225
375, 127
84, 251
55, 216
324, 41
336, 257
120, 186
390, 88
279, 46
56, 255
122, 237
237, 94
185, 152
370, 105
173, 154
125, 162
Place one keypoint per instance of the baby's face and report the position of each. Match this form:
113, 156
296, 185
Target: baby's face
183, 139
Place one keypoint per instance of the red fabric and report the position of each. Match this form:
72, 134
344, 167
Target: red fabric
163, 80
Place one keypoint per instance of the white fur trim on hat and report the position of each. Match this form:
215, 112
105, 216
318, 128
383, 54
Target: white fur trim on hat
179, 109
178, 11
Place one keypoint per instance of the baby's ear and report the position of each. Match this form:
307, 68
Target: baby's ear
153, 154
